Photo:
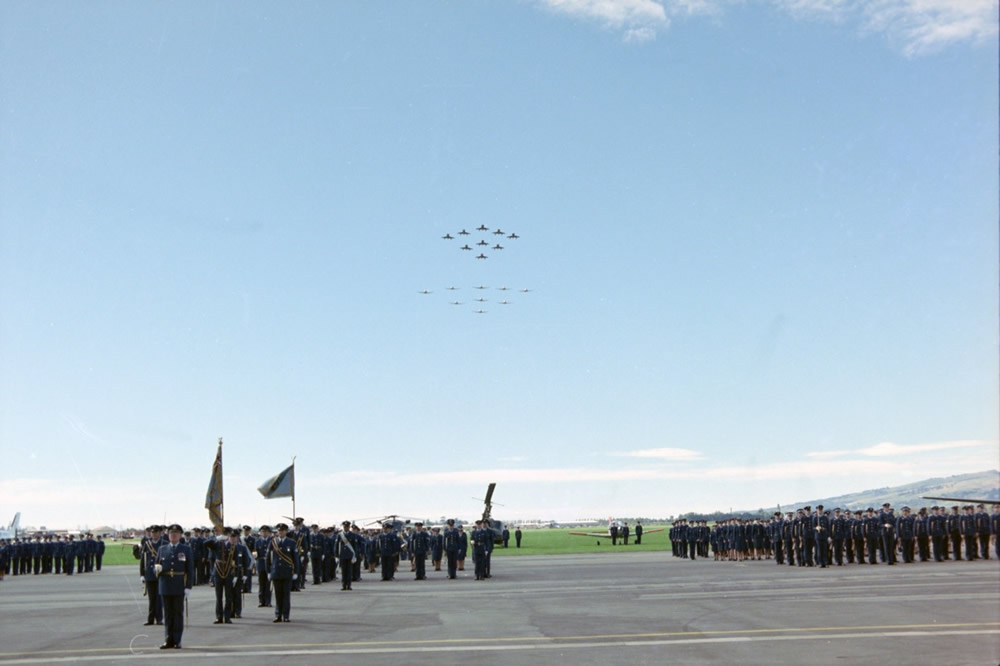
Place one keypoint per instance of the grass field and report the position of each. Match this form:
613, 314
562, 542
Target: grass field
533, 542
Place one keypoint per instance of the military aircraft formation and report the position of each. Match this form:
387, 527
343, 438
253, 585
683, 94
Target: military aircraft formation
480, 248
483, 229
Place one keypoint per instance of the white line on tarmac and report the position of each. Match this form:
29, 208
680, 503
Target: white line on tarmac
473, 648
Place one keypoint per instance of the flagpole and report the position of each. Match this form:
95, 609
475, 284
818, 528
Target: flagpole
222, 506
293, 489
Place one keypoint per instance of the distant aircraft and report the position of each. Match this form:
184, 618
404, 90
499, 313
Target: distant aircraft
453, 288
448, 237
498, 247
504, 302
482, 227
525, 290
482, 287
456, 302
481, 300
466, 247
463, 232
607, 533
482, 256
515, 236
483, 243
505, 288
11, 531
425, 291
480, 311
498, 232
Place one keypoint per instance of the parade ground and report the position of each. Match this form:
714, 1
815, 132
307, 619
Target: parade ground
613, 608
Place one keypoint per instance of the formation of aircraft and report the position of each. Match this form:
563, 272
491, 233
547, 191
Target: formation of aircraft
482, 228
11, 531
481, 299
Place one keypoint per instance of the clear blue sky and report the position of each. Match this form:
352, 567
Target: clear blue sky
761, 240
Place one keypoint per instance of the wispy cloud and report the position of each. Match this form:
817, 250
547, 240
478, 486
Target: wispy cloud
885, 449
916, 27
662, 454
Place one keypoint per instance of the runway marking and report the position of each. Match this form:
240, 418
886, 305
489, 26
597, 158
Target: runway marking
530, 642
202, 653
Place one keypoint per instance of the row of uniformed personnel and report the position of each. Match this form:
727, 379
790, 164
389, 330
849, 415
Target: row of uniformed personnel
826, 538
51, 554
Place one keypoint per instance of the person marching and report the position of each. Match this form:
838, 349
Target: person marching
283, 568
174, 567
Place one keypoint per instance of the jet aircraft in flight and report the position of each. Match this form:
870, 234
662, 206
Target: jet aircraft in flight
515, 236
482, 256
466, 247
463, 232
448, 237
482, 227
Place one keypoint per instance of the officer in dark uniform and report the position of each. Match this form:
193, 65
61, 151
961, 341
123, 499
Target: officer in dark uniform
638, 533
505, 535
995, 529
463, 547
149, 547
283, 568
982, 520
938, 524
317, 544
451, 547
788, 536
302, 543
226, 575
420, 543
348, 554
858, 533
838, 529
906, 532
517, 537
250, 543
364, 548
174, 567
100, 551
821, 530
479, 539
968, 525
389, 546
261, 545
922, 526
613, 529
330, 561
955, 532
888, 521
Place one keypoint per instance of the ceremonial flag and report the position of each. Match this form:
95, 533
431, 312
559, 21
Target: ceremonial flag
282, 485
213, 498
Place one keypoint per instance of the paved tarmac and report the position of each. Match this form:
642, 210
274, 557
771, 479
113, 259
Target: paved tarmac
615, 608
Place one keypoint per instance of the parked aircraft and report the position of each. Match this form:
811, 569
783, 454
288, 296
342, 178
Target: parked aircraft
11, 531
606, 534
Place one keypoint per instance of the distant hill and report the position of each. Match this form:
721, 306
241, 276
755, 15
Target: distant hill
982, 485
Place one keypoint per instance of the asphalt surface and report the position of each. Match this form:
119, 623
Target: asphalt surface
615, 608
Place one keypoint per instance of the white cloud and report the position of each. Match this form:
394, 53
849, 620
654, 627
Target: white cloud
663, 454
640, 19
915, 26
884, 449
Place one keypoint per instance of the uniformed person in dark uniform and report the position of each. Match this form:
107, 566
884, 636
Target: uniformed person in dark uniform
420, 543
906, 532
175, 570
149, 549
982, 520
388, 548
451, 547
261, 545
348, 554
922, 526
638, 533
283, 569
479, 538
302, 543
226, 575
317, 544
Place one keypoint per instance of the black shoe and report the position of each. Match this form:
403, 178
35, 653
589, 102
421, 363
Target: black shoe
159, 622
147, 624
276, 620
286, 620
229, 621
167, 646
217, 622
261, 605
